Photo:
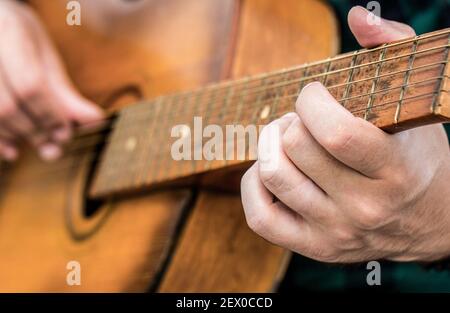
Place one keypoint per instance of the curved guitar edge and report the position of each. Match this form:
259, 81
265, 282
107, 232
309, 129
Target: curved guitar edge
217, 252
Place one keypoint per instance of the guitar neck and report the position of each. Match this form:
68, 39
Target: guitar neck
396, 86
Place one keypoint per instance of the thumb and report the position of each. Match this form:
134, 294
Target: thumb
373, 34
80, 110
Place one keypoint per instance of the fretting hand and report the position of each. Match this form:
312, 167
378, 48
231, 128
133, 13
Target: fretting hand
344, 190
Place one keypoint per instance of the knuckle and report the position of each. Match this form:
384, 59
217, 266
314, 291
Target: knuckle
325, 254
340, 141
371, 217
400, 179
258, 222
347, 239
292, 139
31, 85
343, 234
272, 179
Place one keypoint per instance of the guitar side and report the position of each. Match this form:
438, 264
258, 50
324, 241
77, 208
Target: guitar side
152, 241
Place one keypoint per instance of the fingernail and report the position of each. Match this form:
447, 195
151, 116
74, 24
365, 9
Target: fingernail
10, 153
61, 134
49, 152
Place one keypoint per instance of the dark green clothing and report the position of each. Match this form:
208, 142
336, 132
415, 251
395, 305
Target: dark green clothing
308, 275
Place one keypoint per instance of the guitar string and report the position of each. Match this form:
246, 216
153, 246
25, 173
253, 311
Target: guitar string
286, 109
61, 167
252, 106
150, 102
312, 64
87, 143
215, 87
356, 53
222, 120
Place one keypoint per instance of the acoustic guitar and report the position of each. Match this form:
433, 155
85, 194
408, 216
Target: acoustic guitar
118, 203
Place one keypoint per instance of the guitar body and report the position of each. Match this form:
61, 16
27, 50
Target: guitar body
177, 239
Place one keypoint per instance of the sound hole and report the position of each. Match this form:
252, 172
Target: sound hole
92, 206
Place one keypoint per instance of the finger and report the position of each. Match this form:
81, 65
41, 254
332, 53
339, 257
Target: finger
353, 141
17, 125
332, 176
50, 151
271, 220
27, 79
287, 182
78, 109
11, 117
374, 34
8, 151
6, 134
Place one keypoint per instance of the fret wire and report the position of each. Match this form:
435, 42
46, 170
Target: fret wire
370, 78
383, 104
275, 74
189, 165
374, 83
166, 164
292, 96
108, 171
303, 82
254, 116
90, 155
122, 161
350, 78
396, 101
410, 68
206, 119
337, 58
384, 90
274, 106
353, 97
327, 70
155, 167
221, 115
383, 75
354, 67
196, 105
441, 85
142, 142
405, 82
428, 94
150, 147
237, 117
179, 171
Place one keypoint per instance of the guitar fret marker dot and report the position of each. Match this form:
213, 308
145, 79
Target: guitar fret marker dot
130, 144
185, 131
265, 112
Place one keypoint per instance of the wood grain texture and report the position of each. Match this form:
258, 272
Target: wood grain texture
253, 263
443, 102
218, 253
126, 244
133, 56
395, 86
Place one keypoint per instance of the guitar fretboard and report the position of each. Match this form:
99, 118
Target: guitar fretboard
395, 86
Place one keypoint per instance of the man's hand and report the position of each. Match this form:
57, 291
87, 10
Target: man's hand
38, 104
345, 191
